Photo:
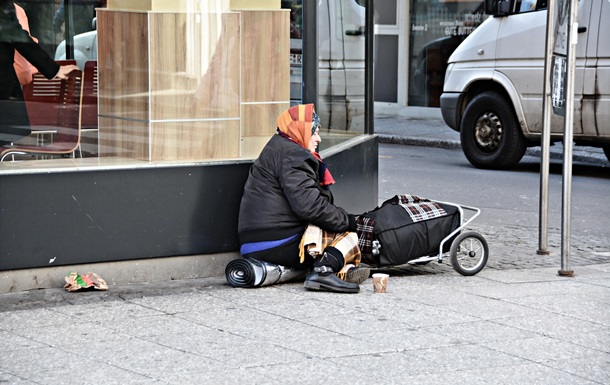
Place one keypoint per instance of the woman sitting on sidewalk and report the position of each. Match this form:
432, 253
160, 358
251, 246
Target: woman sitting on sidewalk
288, 190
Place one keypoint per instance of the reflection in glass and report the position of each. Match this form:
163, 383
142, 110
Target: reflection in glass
436, 29
198, 84
341, 75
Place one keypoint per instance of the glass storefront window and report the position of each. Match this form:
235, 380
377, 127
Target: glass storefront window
340, 72
437, 27
195, 84
341, 75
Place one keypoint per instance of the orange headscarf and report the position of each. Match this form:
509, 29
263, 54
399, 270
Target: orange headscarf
296, 122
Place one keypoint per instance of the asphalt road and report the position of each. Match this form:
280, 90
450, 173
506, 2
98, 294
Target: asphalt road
506, 198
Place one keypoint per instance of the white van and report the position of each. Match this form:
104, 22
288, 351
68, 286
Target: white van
493, 86
341, 35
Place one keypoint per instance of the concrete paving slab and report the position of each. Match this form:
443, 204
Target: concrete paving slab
480, 331
264, 375
107, 313
581, 307
35, 318
393, 367
404, 340
157, 361
47, 358
541, 349
89, 372
500, 290
491, 309
360, 322
527, 275
551, 324
594, 367
597, 339
320, 371
464, 357
13, 341
152, 327
13, 380
260, 354
530, 373
324, 344
74, 334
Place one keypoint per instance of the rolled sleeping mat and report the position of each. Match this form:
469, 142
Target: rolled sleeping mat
249, 272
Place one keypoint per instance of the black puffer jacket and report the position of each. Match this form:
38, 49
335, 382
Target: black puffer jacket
283, 194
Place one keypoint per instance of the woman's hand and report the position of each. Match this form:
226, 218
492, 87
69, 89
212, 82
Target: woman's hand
65, 70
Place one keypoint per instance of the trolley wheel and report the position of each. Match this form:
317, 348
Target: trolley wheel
469, 253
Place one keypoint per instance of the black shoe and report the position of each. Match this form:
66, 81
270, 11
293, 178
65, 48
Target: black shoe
330, 282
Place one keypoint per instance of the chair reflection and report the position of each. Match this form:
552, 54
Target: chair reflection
53, 108
89, 109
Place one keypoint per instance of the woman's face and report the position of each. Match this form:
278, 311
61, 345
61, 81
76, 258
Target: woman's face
315, 140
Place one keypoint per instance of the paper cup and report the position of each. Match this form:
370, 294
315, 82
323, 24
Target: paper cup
380, 282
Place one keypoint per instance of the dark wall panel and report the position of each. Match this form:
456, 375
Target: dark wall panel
386, 68
357, 175
123, 214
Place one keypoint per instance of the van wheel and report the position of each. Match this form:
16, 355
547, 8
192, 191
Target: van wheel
490, 134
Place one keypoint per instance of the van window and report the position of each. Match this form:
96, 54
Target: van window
522, 6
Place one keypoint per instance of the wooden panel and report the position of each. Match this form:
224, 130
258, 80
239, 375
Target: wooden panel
255, 4
123, 138
194, 66
123, 64
195, 140
265, 56
130, 4
261, 119
192, 5
189, 5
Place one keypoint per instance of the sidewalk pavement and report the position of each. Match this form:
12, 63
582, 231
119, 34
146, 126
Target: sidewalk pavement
506, 325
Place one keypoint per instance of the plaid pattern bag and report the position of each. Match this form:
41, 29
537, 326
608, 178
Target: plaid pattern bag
419, 209
365, 227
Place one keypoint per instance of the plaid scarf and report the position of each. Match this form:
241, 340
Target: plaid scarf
315, 240
326, 179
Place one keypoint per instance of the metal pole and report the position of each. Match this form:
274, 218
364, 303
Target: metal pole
369, 107
568, 136
68, 30
310, 52
545, 140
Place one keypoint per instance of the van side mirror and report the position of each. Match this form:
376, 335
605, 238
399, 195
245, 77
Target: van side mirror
503, 8
497, 7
